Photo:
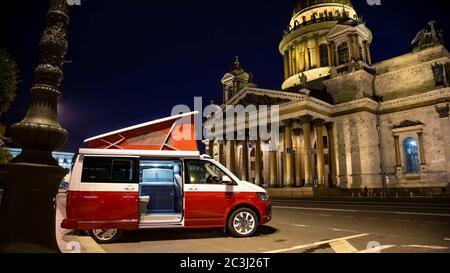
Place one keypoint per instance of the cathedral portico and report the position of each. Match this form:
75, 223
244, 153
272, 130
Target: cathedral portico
343, 122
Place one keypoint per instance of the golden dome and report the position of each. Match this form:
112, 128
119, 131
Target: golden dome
304, 4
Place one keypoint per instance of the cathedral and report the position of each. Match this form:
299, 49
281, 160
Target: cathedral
347, 124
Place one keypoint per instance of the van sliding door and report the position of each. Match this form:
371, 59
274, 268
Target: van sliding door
109, 194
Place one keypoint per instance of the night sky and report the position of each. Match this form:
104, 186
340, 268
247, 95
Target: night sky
133, 60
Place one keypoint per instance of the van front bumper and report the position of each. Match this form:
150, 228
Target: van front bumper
266, 216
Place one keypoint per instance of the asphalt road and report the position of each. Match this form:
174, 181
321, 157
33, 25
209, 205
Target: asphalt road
325, 226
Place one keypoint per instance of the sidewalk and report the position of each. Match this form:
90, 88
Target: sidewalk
68, 242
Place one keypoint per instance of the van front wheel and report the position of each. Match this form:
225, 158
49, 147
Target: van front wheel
243, 223
105, 236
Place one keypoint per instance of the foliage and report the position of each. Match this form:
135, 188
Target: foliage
5, 156
9, 81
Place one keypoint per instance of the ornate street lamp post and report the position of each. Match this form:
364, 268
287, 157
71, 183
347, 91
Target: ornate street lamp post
27, 213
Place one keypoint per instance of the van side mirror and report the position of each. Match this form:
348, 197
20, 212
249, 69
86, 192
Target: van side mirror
227, 180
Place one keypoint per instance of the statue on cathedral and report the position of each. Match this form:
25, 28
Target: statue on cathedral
441, 73
303, 80
428, 38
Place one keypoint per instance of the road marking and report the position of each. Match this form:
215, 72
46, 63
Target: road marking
342, 247
300, 226
438, 223
316, 244
365, 211
427, 247
344, 230
352, 203
376, 249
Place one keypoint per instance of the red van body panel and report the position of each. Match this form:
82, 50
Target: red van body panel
211, 209
102, 210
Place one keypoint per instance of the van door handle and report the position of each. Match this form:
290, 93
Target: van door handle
130, 188
193, 188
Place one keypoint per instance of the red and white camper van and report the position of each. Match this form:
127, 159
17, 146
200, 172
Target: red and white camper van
121, 183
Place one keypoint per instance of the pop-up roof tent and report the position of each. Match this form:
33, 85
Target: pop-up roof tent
176, 133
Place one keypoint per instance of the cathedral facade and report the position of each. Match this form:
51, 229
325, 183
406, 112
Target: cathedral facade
347, 123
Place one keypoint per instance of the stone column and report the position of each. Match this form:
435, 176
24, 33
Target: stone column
273, 169
286, 65
231, 147
291, 61
423, 160
444, 115
358, 55
398, 160
294, 60
245, 155
369, 58
317, 51
288, 166
332, 49
211, 148
298, 58
221, 154
320, 151
307, 56
336, 56
351, 47
365, 59
331, 153
302, 56
258, 163
306, 122
298, 159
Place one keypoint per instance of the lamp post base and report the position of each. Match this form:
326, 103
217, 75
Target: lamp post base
27, 211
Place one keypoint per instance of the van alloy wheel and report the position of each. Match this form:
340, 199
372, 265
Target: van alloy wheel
105, 236
243, 223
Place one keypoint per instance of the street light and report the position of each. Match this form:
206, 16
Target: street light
27, 213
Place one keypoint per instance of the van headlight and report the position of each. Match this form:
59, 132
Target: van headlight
264, 196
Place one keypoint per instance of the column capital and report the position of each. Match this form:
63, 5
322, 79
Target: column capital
287, 123
306, 119
443, 111
319, 122
329, 125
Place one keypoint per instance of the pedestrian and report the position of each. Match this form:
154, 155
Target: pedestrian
366, 191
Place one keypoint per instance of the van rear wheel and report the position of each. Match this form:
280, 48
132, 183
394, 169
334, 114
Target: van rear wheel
243, 223
105, 236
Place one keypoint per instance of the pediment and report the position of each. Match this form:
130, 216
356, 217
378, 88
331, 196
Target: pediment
257, 96
341, 29
254, 99
408, 123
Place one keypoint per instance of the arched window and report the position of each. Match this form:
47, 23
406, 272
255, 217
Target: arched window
343, 53
324, 61
411, 155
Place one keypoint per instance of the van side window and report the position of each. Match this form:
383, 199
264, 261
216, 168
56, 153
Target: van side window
203, 172
158, 171
108, 170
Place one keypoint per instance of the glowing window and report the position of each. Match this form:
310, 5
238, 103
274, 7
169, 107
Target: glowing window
411, 155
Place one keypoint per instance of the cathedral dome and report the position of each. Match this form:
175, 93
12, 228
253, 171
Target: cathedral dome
308, 3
